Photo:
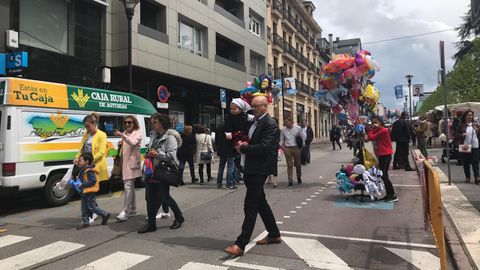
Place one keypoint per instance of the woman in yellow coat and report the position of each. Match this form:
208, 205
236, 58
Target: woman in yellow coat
94, 141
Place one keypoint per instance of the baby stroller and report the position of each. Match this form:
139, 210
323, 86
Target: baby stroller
453, 153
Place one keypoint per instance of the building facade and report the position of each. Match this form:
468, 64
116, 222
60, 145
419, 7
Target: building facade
295, 51
193, 48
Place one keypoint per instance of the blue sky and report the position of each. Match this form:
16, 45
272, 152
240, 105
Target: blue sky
374, 20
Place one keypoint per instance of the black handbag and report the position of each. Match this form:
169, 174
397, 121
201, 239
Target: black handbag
166, 171
206, 156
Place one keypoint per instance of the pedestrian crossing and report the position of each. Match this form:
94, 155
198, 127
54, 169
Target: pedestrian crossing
313, 253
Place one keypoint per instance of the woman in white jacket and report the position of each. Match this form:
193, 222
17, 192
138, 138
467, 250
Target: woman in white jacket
204, 145
131, 169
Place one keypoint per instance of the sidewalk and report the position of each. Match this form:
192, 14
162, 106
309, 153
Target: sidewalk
461, 203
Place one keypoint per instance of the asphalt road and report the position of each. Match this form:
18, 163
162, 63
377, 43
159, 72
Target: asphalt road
320, 229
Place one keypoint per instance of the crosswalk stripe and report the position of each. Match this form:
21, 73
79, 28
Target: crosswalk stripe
11, 239
117, 260
423, 260
315, 254
38, 255
200, 266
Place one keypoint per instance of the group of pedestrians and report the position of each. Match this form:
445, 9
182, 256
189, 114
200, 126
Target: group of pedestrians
91, 168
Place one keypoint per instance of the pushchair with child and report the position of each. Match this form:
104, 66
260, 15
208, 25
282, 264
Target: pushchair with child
453, 152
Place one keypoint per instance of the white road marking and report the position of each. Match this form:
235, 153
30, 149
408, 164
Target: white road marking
122, 260
308, 199
316, 193
293, 212
423, 260
12, 239
250, 266
320, 177
286, 216
315, 254
298, 207
279, 222
38, 255
331, 182
304, 203
195, 266
313, 196
396, 243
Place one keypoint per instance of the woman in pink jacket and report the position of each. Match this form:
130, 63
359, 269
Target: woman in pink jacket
131, 169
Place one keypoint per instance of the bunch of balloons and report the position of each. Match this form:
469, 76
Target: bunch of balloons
260, 86
343, 82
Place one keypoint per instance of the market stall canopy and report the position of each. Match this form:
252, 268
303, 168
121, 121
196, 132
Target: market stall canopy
474, 106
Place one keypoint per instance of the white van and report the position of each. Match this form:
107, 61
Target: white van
41, 129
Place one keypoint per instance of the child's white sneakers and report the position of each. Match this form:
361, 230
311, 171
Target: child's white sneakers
122, 216
92, 219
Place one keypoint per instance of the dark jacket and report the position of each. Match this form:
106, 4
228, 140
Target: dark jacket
237, 122
309, 139
188, 147
224, 147
462, 129
261, 152
335, 134
401, 131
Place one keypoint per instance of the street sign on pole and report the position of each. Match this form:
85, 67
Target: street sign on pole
223, 98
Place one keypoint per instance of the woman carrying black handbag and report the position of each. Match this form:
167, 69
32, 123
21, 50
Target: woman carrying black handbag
163, 144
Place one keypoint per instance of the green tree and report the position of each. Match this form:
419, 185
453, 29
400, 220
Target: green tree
465, 32
463, 81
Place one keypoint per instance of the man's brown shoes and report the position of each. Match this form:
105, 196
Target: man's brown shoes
234, 250
268, 241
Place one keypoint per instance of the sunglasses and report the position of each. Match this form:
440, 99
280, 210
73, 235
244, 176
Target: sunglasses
128, 122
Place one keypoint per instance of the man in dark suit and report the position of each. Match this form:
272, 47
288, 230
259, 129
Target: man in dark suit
401, 136
308, 134
259, 163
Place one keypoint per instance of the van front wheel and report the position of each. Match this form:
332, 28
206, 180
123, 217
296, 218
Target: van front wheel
53, 195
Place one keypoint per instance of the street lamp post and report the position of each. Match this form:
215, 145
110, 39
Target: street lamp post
130, 11
409, 79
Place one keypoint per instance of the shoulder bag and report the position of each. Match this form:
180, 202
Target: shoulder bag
117, 165
206, 155
167, 172
466, 148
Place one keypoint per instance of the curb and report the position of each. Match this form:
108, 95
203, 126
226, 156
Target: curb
463, 240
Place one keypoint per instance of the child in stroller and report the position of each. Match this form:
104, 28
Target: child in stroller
453, 151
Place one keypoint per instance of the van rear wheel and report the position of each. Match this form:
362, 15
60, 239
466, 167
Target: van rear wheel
53, 195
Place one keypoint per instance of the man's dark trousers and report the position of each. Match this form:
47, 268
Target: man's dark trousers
256, 203
402, 149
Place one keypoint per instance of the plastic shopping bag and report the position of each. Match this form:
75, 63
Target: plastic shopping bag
369, 159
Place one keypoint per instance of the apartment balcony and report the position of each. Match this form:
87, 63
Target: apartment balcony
290, 51
301, 33
278, 43
311, 42
277, 9
302, 88
311, 68
302, 60
289, 21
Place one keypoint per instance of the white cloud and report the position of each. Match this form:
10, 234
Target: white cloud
374, 20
